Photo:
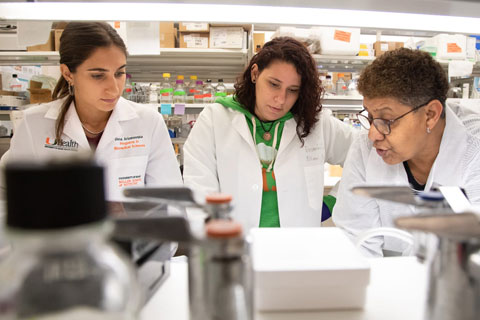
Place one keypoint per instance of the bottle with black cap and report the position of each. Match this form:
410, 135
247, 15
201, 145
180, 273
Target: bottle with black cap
62, 265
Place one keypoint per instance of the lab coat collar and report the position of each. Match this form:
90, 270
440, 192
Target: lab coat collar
239, 123
453, 146
289, 132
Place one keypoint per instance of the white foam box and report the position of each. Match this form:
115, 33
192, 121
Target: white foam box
226, 37
339, 41
307, 269
451, 46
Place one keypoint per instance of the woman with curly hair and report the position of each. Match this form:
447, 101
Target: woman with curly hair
414, 138
267, 145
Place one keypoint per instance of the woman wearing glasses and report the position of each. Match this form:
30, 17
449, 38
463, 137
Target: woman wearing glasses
412, 139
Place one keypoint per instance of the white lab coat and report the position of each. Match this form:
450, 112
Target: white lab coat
220, 155
457, 164
135, 147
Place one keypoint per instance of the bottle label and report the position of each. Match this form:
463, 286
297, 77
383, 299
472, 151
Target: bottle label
198, 96
220, 94
166, 90
179, 93
207, 95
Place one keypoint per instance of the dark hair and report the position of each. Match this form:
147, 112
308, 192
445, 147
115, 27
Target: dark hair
78, 42
412, 77
308, 105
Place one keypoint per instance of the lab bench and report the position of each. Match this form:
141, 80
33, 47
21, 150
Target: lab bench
397, 291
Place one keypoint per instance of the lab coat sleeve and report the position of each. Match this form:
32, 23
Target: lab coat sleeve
162, 167
200, 163
21, 145
338, 138
472, 178
355, 214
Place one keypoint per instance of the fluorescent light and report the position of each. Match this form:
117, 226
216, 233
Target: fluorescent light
215, 13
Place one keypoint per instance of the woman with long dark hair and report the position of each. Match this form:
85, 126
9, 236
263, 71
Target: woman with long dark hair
267, 145
89, 113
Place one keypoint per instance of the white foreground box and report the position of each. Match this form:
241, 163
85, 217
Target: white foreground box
307, 269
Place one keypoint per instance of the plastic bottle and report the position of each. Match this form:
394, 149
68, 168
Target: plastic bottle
15, 84
341, 86
62, 265
190, 86
208, 92
328, 85
153, 93
179, 92
127, 92
352, 87
221, 90
198, 92
166, 89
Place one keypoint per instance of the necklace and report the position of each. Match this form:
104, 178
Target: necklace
91, 132
267, 135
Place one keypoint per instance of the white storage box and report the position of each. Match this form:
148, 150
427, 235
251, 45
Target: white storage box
226, 37
307, 269
339, 41
451, 46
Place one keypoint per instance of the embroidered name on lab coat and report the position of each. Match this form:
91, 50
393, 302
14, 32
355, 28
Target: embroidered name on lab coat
67, 145
126, 143
129, 181
313, 153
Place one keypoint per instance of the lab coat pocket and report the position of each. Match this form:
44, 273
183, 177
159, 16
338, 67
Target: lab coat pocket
314, 184
124, 172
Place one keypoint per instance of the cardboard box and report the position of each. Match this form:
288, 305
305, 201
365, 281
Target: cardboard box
168, 40
167, 27
307, 269
193, 26
258, 41
381, 47
58, 34
194, 40
48, 46
40, 95
226, 37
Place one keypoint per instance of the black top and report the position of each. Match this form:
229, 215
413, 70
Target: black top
54, 195
411, 179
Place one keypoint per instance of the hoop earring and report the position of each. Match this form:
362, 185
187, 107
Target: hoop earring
428, 130
70, 89
253, 80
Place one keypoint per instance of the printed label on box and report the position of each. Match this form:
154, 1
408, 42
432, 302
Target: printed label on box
195, 26
342, 36
453, 48
193, 41
384, 47
179, 108
166, 108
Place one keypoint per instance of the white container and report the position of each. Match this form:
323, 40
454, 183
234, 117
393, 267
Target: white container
451, 46
307, 269
339, 41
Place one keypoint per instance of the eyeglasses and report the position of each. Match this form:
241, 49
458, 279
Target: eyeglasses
382, 125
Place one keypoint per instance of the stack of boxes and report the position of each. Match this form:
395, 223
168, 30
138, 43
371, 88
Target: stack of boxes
382, 46
194, 35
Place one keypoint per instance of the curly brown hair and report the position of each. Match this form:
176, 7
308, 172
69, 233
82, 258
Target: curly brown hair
308, 105
412, 77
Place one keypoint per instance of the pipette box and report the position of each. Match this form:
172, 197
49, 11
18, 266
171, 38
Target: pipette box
307, 269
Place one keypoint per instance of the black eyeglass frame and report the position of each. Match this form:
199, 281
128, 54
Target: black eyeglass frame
384, 122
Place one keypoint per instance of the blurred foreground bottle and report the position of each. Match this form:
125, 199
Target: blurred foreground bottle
62, 266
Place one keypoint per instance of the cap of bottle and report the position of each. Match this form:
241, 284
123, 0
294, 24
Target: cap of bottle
193, 77
180, 77
14, 76
166, 75
54, 195
218, 198
220, 80
200, 82
222, 229
209, 80
179, 81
